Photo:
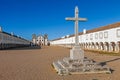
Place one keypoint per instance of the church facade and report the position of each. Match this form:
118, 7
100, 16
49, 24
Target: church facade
40, 40
106, 38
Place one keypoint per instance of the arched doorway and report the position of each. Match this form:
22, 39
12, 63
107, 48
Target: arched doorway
101, 46
92, 45
113, 46
106, 46
97, 45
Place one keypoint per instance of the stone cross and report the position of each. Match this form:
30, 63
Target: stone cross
76, 19
76, 63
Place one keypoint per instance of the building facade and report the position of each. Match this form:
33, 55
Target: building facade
40, 40
106, 38
9, 40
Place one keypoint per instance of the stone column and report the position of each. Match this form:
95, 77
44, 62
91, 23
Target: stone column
110, 47
117, 47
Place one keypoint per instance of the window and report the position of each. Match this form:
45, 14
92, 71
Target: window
100, 35
96, 35
91, 36
118, 32
86, 37
105, 34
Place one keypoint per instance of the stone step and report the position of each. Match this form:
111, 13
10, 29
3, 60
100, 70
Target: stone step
59, 69
63, 64
57, 66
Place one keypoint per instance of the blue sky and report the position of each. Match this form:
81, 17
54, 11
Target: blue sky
26, 17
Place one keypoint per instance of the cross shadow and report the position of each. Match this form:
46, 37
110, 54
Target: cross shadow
105, 62
25, 48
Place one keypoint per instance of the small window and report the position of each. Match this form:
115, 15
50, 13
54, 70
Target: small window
86, 37
118, 32
100, 35
96, 35
105, 34
91, 36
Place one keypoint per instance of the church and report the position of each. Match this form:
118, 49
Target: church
40, 40
106, 38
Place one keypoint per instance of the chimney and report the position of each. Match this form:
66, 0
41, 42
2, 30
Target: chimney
84, 31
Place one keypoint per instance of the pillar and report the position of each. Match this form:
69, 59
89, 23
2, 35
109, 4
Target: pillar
110, 47
117, 47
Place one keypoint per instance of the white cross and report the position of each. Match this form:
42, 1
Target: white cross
76, 19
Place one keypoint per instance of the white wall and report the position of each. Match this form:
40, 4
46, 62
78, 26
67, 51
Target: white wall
109, 35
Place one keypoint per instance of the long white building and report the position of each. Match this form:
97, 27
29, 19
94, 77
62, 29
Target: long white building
9, 40
106, 38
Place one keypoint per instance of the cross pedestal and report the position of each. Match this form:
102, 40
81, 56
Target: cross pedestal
76, 53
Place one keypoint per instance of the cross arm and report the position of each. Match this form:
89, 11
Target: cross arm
70, 19
75, 19
82, 19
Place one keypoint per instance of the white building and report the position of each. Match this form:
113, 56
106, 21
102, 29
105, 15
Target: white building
106, 38
9, 40
40, 40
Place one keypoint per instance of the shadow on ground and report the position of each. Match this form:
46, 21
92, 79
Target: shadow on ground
105, 63
25, 48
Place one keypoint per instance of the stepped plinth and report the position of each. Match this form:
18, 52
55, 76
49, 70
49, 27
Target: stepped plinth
70, 66
78, 64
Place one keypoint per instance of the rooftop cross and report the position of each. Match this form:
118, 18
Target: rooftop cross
76, 19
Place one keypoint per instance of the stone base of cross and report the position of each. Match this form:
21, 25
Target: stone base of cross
76, 53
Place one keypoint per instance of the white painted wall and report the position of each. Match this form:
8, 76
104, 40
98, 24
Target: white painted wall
109, 35
8, 39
